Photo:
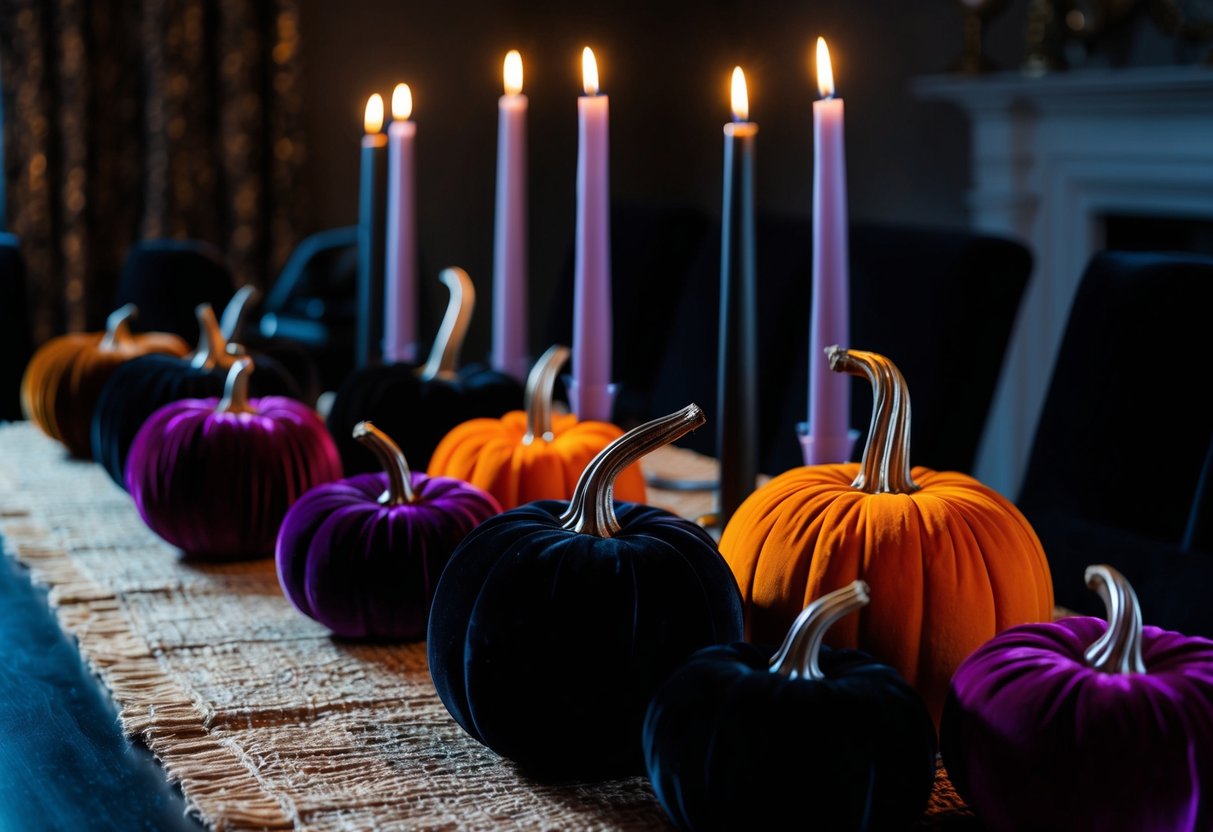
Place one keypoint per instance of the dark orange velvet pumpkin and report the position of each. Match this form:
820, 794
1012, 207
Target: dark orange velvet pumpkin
952, 561
533, 454
65, 376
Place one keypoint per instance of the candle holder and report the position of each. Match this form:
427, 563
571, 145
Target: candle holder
977, 13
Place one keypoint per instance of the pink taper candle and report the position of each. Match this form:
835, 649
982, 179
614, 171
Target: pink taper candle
400, 293
591, 394
828, 437
510, 353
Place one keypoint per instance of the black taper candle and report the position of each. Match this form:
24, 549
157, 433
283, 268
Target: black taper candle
737, 367
372, 213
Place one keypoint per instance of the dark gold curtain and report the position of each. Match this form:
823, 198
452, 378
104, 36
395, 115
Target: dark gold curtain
147, 118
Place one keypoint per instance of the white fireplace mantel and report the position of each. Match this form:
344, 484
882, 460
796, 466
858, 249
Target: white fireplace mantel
1050, 158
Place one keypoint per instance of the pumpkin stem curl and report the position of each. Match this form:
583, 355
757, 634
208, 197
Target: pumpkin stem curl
797, 656
885, 466
212, 350
1118, 650
236, 313
443, 362
235, 388
539, 385
400, 478
592, 508
118, 327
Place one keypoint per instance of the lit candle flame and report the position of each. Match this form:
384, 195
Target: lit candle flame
372, 120
402, 102
741, 98
825, 72
512, 72
589, 71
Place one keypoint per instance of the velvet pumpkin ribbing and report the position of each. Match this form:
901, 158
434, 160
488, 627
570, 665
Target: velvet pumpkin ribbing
1034, 738
547, 645
364, 569
950, 564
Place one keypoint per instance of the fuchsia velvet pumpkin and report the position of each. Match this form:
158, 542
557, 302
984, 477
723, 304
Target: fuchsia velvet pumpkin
1082, 724
215, 477
362, 555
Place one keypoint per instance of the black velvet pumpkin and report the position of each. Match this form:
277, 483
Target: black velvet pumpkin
418, 405
810, 738
141, 386
554, 623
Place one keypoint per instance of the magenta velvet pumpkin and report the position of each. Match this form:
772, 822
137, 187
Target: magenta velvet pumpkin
1085, 724
215, 477
362, 555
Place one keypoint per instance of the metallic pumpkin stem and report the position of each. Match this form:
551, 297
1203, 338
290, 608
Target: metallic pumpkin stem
118, 327
235, 389
797, 656
443, 362
400, 478
236, 313
539, 385
1118, 650
592, 508
212, 350
885, 466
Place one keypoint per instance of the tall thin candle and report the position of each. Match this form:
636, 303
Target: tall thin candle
510, 353
591, 393
400, 291
372, 196
737, 368
828, 437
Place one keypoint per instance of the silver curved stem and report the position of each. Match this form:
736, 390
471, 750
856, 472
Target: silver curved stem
212, 350
235, 388
118, 327
885, 465
443, 362
592, 508
797, 657
1118, 650
235, 314
539, 385
400, 478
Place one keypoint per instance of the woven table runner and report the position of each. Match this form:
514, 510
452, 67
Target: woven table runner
263, 718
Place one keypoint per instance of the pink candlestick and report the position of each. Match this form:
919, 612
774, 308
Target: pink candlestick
591, 393
828, 436
510, 354
400, 299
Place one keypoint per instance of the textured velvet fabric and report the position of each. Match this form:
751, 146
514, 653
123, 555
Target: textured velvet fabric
217, 485
729, 745
950, 565
547, 645
1124, 437
1034, 739
366, 570
414, 413
16, 345
141, 386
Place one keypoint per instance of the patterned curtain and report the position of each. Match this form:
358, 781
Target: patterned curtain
131, 119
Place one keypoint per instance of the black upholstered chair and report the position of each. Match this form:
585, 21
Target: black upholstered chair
940, 302
16, 344
168, 278
1121, 465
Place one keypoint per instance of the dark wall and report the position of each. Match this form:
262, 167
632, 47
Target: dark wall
665, 66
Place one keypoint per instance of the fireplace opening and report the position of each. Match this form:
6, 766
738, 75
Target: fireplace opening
1124, 232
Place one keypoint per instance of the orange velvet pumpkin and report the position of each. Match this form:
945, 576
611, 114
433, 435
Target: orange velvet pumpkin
951, 561
533, 454
64, 377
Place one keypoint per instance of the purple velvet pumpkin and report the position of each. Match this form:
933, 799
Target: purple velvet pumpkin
1082, 724
362, 555
215, 477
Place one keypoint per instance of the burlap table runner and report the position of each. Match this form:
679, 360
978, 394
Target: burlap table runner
264, 719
